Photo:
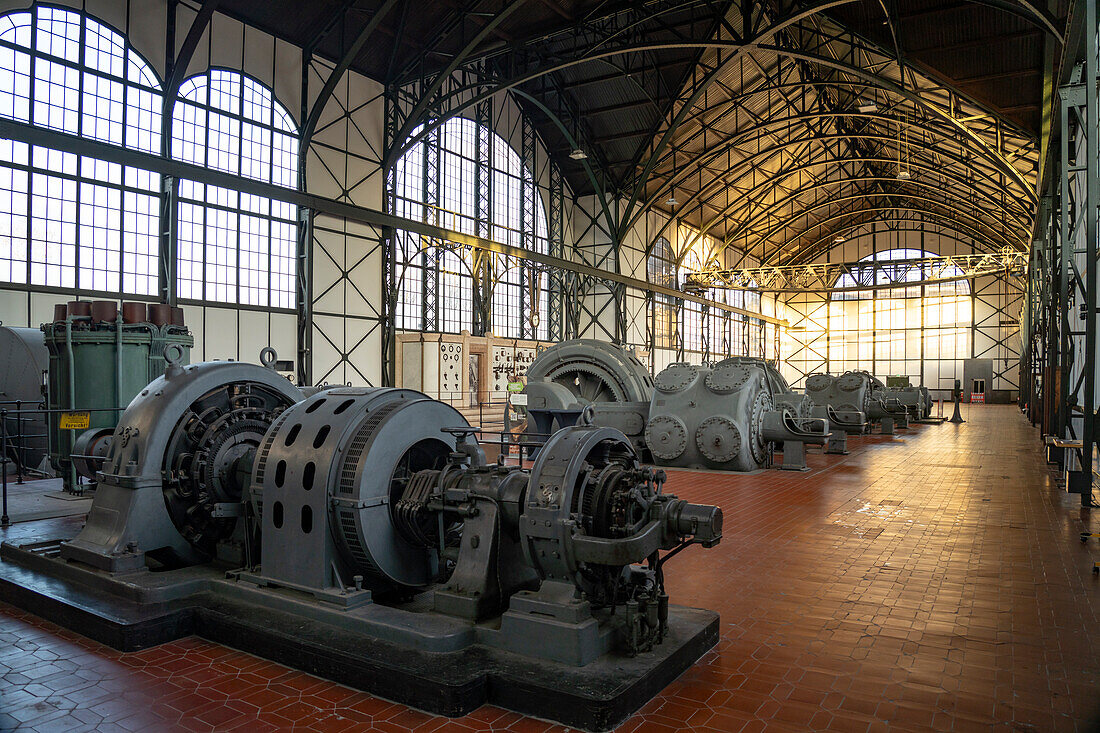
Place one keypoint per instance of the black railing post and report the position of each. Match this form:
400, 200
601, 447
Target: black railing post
4, 520
20, 443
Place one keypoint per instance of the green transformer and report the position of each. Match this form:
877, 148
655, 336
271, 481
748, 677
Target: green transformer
100, 359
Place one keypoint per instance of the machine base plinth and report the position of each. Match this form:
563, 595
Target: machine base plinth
794, 456
837, 444
144, 609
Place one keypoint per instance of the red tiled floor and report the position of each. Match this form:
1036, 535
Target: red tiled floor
929, 582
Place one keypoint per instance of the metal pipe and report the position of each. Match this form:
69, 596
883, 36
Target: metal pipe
1092, 197
118, 357
1059, 313
72, 390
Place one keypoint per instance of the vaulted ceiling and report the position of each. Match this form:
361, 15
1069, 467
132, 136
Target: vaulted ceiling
774, 126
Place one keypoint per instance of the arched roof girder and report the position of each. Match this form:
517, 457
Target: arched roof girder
471, 96
755, 132
1006, 206
911, 206
826, 243
427, 96
767, 152
733, 105
747, 224
1030, 11
789, 221
996, 158
564, 130
736, 50
1019, 216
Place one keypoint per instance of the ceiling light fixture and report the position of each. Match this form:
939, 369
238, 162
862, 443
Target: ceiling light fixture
839, 239
866, 106
903, 147
671, 200
578, 154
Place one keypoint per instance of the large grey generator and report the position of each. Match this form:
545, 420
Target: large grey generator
568, 376
360, 533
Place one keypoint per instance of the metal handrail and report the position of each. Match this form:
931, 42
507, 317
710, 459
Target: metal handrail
19, 443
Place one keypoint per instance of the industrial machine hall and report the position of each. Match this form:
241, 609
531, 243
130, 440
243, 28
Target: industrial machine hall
549, 365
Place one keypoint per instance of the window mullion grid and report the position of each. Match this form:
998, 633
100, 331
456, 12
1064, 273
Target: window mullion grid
527, 224
30, 148
36, 54
240, 165
205, 195
431, 318
86, 181
270, 225
122, 173
78, 275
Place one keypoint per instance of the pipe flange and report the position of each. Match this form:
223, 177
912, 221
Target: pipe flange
799, 405
676, 377
819, 382
666, 437
757, 445
727, 378
718, 439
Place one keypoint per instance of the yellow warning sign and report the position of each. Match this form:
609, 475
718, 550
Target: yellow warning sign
75, 420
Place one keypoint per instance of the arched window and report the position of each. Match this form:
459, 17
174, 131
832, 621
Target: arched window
68, 221
920, 331
661, 265
661, 270
463, 176
235, 247
692, 323
895, 266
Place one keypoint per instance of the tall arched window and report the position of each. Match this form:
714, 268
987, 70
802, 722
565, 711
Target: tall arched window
661, 270
68, 221
235, 247
463, 176
921, 331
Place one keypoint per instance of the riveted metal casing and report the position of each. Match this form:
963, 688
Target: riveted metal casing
594, 371
324, 482
131, 512
709, 418
98, 365
853, 391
